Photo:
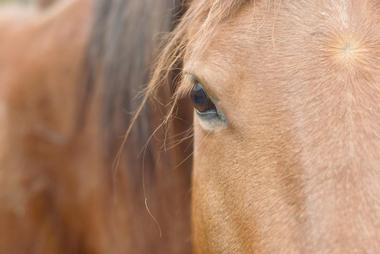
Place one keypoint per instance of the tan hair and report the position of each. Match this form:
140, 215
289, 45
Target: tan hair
207, 14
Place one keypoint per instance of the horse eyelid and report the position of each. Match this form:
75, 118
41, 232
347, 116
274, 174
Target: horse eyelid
191, 79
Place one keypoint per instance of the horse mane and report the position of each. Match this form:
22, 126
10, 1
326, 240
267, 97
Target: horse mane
123, 42
118, 36
195, 27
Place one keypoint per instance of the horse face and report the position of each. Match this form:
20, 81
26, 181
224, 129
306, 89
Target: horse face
287, 128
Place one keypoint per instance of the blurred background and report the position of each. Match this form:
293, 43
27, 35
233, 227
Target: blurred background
16, 1
72, 74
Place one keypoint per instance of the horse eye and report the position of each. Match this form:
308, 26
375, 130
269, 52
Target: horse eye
201, 101
210, 116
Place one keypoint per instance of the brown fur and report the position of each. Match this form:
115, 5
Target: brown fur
62, 120
295, 171
297, 168
46, 3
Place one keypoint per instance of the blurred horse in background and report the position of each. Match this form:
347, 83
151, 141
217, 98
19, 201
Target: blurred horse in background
70, 77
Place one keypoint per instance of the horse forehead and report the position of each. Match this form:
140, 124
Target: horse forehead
260, 40
285, 20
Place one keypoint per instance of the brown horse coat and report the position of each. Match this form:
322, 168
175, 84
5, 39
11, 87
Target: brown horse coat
62, 121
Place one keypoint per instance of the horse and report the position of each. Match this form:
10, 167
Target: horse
70, 81
286, 123
284, 133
